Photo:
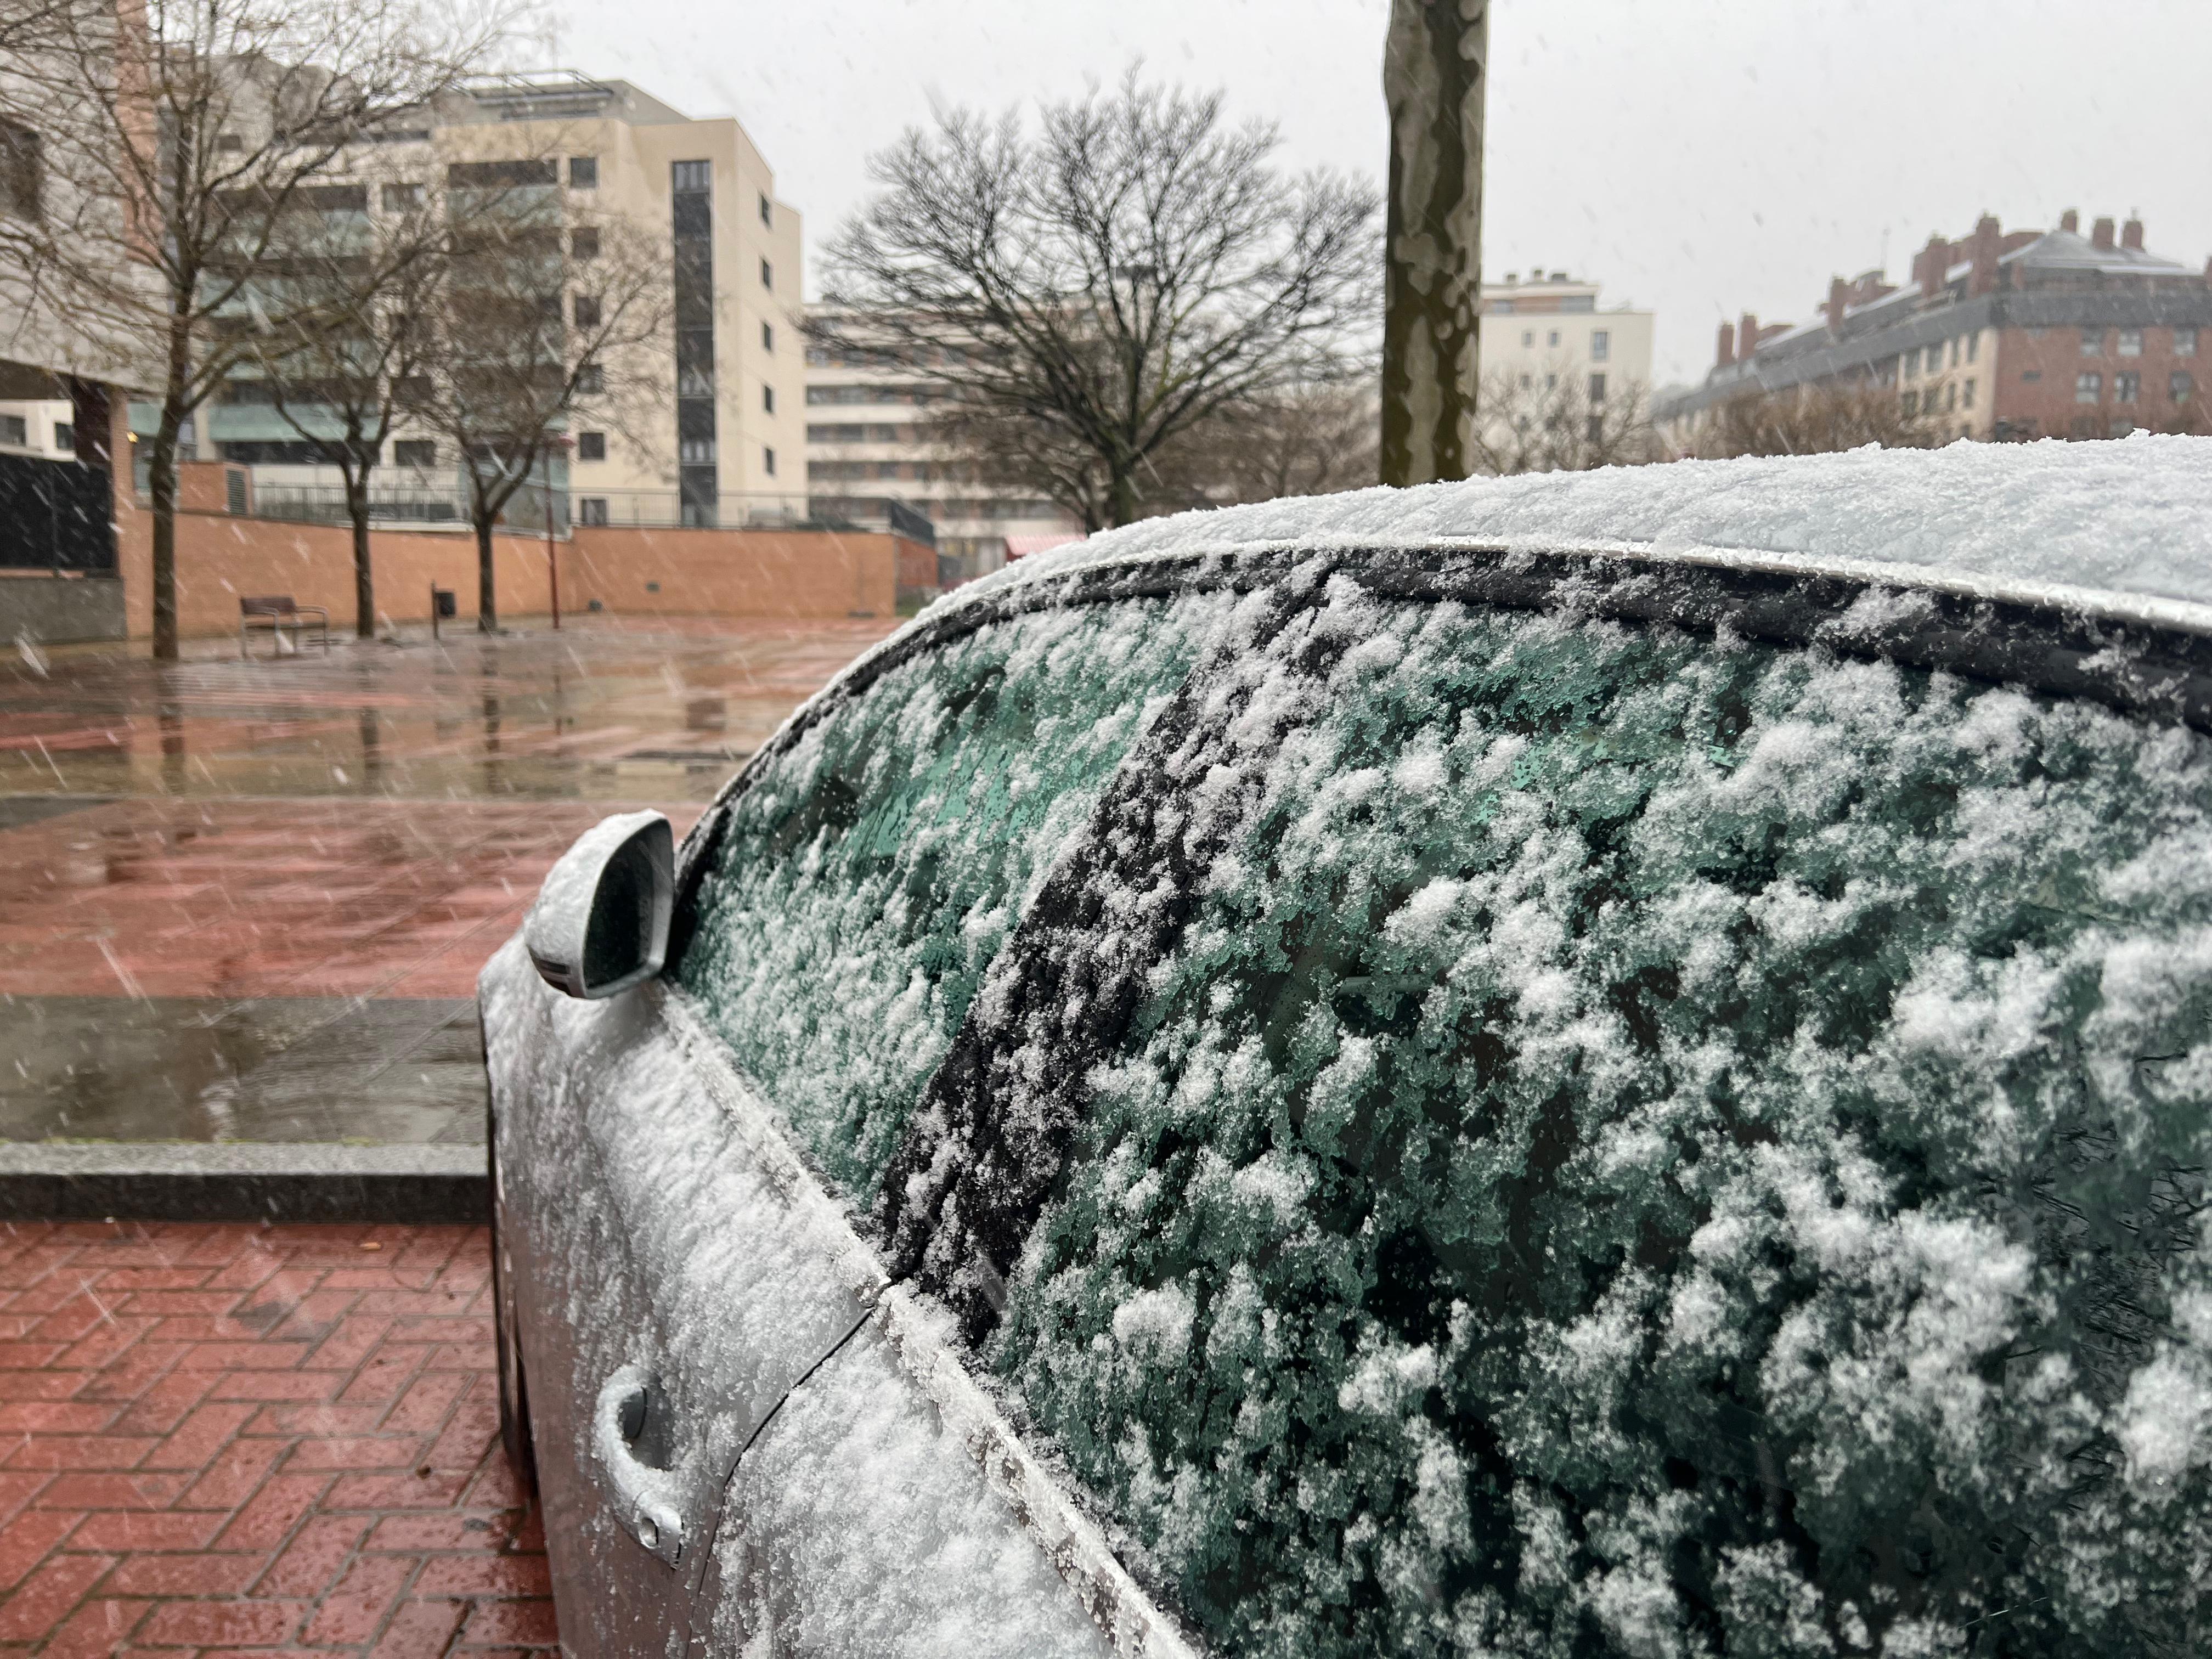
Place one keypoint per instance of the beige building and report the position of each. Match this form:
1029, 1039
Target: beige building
1545, 332
868, 442
719, 440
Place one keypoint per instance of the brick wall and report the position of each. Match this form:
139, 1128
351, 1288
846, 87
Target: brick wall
798, 573
2047, 407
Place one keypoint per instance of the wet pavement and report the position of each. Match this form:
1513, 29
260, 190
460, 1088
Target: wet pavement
248, 900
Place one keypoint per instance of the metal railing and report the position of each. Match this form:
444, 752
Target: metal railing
421, 508
666, 509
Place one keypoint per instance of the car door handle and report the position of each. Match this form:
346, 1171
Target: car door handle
644, 1497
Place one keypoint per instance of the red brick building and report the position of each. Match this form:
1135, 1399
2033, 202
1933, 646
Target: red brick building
2003, 335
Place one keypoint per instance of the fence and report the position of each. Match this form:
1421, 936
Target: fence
666, 509
56, 515
396, 508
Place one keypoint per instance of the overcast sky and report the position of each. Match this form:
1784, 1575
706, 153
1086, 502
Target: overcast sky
1699, 157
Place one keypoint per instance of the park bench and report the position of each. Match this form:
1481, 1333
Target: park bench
275, 613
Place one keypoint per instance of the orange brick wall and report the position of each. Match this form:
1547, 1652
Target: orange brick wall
797, 574
809, 573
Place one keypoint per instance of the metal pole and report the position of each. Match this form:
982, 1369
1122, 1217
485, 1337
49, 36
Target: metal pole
552, 559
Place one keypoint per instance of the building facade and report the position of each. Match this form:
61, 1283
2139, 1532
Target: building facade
1548, 352
868, 438
1999, 336
711, 432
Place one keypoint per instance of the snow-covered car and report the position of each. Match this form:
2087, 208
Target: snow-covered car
1613, 1063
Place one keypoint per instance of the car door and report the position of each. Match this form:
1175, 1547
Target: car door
673, 1281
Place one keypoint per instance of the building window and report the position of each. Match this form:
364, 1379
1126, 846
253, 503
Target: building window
584, 244
1954, 354
1600, 344
1950, 398
13, 429
591, 380
587, 311
2088, 388
1554, 339
768, 400
692, 175
590, 446
1966, 396
1527, 337
1597, 388
2126, 387
415, 451
1910, 403
65, 437
2130, 343
1593, 430
768, 462
592, 509
402, 198
583, 173
768, 209
2181, 386
767, 337
20, 171
2185, 343
2026, 374
2093, 342
768, 275
1973, 344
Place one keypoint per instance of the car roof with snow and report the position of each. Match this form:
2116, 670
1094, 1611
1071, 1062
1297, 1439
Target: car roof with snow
2120, 529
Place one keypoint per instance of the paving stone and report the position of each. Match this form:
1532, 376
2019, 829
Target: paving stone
177, 1511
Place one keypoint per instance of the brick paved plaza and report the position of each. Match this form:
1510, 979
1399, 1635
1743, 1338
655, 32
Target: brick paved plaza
247, 900
280, 1438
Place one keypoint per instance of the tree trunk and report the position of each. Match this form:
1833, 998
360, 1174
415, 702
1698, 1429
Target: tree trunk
1432, 79
162, 481
364, 581
486, 603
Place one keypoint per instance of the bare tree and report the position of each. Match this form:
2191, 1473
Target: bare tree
1435, 72
1562, 421
1313, 439
1809, 420
540, 313
1126, 273
175, 140
346, 333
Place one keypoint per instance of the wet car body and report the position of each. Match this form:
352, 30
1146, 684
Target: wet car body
760, 1391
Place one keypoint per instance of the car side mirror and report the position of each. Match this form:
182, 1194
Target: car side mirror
600, 924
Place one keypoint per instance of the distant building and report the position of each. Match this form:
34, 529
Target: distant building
46, 427
723, 446
2003, 334
868, 438
1547, 332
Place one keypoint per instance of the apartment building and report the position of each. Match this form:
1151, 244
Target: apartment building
2000, 335
722, 442
1545, 345
868, 441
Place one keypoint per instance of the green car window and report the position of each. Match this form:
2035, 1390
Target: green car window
870, 872
1656, 1147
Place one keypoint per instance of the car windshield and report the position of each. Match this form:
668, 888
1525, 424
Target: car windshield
1696, 1145
869, 872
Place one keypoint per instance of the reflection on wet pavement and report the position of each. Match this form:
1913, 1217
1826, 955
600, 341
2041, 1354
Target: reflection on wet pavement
249, 900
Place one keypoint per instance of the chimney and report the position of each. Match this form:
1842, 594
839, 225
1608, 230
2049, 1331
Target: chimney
2101, 237
1746, 337
1727, 353
1838, 294
2071, 221
1987, 239
2131, 235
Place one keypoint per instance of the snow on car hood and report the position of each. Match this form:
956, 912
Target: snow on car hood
2127, 517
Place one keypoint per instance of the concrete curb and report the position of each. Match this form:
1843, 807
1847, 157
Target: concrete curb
416, 1185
